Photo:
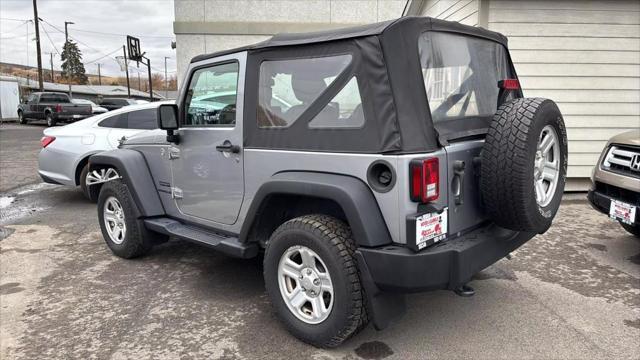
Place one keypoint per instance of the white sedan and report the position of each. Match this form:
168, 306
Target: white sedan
66, 150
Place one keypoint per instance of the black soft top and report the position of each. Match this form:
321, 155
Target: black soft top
403, 23
386, 62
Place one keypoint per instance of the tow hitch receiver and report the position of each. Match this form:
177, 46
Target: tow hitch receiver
465, 291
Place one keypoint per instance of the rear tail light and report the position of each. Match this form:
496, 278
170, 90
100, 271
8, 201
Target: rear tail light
46, 140
58, 108
424, 175
509, 84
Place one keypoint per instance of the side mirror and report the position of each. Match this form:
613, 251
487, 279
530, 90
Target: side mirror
168, 120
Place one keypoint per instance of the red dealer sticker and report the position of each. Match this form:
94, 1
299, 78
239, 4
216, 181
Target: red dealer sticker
432, 226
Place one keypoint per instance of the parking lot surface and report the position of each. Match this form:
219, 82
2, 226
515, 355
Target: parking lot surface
573, 292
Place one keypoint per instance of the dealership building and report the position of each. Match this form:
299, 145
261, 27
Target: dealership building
585, 55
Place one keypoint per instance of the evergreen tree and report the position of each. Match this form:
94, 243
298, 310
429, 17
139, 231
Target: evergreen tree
72, 67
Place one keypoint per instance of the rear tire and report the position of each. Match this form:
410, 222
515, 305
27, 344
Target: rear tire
330, 243
124, 214
516, 168
50, 120
632, 229
21, 119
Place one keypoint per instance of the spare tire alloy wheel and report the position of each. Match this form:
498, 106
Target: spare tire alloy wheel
114, 220
547, 163
305, 284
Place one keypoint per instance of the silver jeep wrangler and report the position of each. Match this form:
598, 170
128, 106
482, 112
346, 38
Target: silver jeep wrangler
362, 163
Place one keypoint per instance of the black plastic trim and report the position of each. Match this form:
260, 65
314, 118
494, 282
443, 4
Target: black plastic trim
133, 168
445, 266
353, 195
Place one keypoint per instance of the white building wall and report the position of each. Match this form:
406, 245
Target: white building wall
465, 12
585, 55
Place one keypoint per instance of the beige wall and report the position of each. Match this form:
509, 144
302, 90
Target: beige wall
585, 55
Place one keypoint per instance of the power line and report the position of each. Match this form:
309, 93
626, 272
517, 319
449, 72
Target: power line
13, 19
117, 34
51, 41
12, 37
17, 27
102, 57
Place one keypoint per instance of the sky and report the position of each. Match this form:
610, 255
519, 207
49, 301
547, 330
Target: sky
100, 30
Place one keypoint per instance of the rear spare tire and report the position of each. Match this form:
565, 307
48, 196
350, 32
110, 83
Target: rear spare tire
524, 165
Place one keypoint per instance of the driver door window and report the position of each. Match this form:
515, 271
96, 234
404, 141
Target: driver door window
211, 97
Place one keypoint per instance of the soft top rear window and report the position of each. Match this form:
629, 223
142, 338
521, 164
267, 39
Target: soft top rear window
461, 75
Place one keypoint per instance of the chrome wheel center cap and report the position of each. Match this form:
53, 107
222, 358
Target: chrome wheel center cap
310, 282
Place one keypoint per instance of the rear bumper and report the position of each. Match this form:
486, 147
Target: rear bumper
65, 117
444, 266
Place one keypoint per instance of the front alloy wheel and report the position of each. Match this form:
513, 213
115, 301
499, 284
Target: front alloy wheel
305, 284
114, 220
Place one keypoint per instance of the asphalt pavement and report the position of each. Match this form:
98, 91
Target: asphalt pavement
571, 293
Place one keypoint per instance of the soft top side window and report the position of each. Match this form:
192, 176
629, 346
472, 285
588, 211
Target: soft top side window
288, 87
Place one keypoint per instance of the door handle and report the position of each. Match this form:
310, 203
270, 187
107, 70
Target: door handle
227, 146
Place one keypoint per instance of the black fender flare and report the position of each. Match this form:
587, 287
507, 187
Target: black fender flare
351, 194
133, 168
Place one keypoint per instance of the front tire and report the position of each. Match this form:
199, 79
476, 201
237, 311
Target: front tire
50, 120
123, 231
312, 279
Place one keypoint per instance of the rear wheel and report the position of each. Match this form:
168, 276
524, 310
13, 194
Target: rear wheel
632, 229
21, 119
50, 120
312, 280
90, 192
524, 165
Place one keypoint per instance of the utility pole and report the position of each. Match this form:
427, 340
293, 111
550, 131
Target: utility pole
99, 77
150, 83
126, 69
51, 62
166, 84
139, 84
66, 43
35, 18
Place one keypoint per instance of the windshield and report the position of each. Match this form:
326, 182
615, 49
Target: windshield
461, 75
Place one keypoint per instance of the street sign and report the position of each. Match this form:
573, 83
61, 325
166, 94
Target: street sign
133, 48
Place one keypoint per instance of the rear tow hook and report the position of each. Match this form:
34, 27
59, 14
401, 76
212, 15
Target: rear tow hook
465, 291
